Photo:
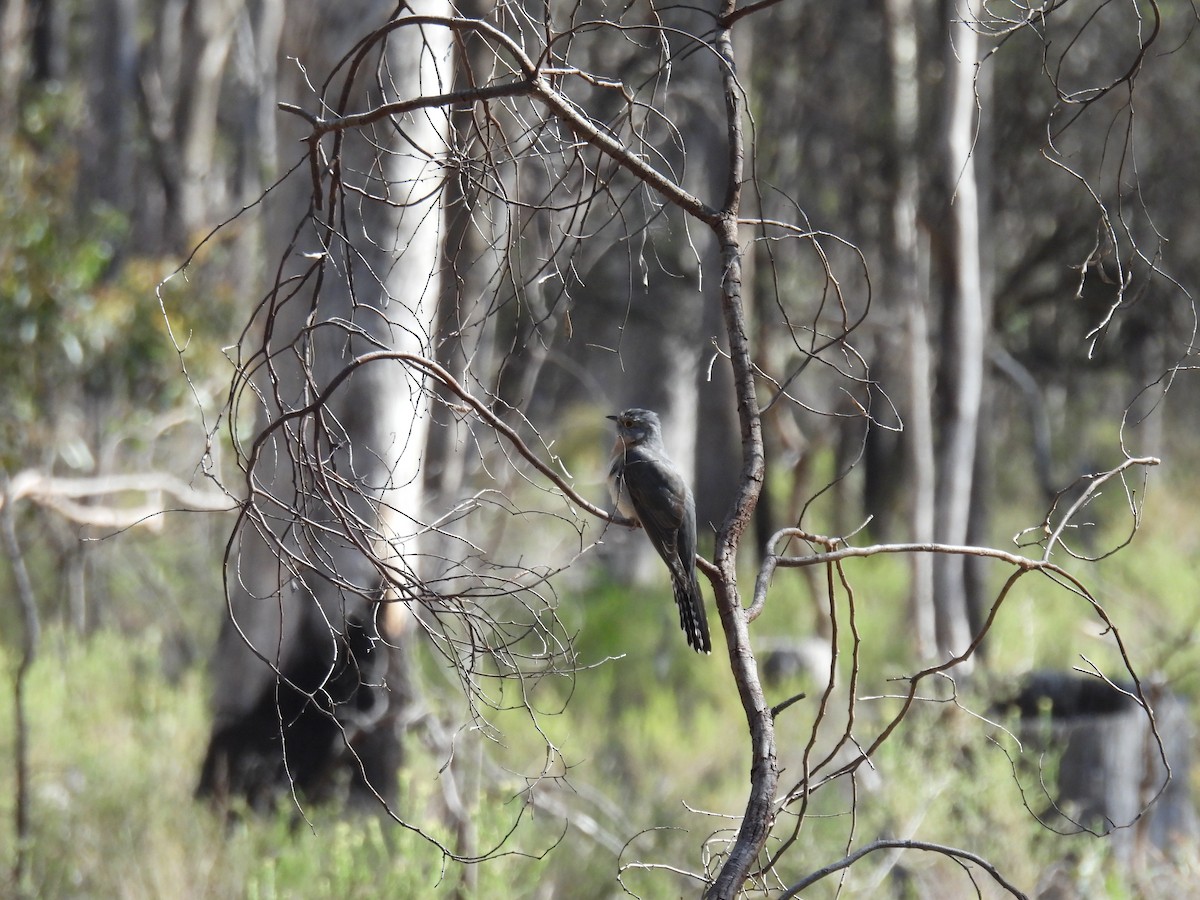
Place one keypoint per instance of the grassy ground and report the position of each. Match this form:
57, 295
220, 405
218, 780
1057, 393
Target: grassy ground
648, 756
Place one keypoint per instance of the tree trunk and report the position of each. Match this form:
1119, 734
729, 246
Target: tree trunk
963, 330
903, 50
335, 487
759, 815
108, 175
1110, 766
14, 56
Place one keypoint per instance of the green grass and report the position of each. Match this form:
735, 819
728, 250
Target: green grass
114, 753
641, 756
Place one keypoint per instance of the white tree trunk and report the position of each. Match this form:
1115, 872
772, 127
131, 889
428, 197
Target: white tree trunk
963, 337
420, 63
334, 485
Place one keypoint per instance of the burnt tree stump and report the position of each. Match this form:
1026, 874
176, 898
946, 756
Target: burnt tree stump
322, 713
1111, 777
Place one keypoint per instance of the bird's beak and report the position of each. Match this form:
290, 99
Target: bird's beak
612, 418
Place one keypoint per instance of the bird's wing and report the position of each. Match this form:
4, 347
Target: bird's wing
659, 496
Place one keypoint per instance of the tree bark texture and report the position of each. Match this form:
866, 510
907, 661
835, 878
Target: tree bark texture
333, 484
963, 333
759, 814
1112, 777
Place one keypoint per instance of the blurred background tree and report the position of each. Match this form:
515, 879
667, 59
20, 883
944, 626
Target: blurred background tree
565, 291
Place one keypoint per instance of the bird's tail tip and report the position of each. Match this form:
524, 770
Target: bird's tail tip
692, 618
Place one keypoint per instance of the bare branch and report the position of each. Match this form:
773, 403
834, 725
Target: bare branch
952, 852
772, 561
59, 494
1055, 537
480, 408
536, 82
728, 20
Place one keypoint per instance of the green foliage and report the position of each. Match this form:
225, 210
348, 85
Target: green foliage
82, 319
50, 262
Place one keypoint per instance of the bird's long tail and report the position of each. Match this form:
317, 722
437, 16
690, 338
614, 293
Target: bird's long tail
691, 613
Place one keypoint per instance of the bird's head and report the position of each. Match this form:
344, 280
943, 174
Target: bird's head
636, 426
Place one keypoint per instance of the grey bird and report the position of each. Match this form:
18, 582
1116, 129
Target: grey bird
647, 488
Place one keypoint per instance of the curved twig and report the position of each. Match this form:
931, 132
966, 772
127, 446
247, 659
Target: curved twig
961, 856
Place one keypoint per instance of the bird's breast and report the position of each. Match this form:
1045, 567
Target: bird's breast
618, 491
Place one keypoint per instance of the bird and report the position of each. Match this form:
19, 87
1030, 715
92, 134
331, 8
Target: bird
646, 487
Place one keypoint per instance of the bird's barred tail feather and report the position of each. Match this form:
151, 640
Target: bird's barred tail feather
691, 614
